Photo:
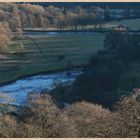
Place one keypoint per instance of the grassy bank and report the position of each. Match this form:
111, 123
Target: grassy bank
132, 24
48, 53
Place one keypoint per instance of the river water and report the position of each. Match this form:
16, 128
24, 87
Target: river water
16, 93
18, 90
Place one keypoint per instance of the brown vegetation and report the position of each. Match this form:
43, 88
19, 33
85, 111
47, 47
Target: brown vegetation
5, 37
21, 16
129, 115
42, 118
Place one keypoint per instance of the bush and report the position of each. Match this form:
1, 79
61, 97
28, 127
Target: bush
129, 115
61, 57
42, 118
90, 120
5, 37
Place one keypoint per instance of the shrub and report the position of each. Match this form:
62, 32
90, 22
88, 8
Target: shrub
91, 120
47, 119
61, 57
129, 115
5, 37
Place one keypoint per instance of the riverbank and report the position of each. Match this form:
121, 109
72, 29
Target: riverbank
46, 53
40, 73
19, 90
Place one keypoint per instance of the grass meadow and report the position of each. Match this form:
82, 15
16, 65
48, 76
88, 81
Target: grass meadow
33, 54
132, 24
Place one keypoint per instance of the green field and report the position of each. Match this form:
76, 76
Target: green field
42, 53
133, 24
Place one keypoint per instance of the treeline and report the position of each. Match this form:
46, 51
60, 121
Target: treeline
26, 15
43, 118
112, 5
34, 16
16, 17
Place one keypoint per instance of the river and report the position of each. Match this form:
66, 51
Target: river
18, 90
